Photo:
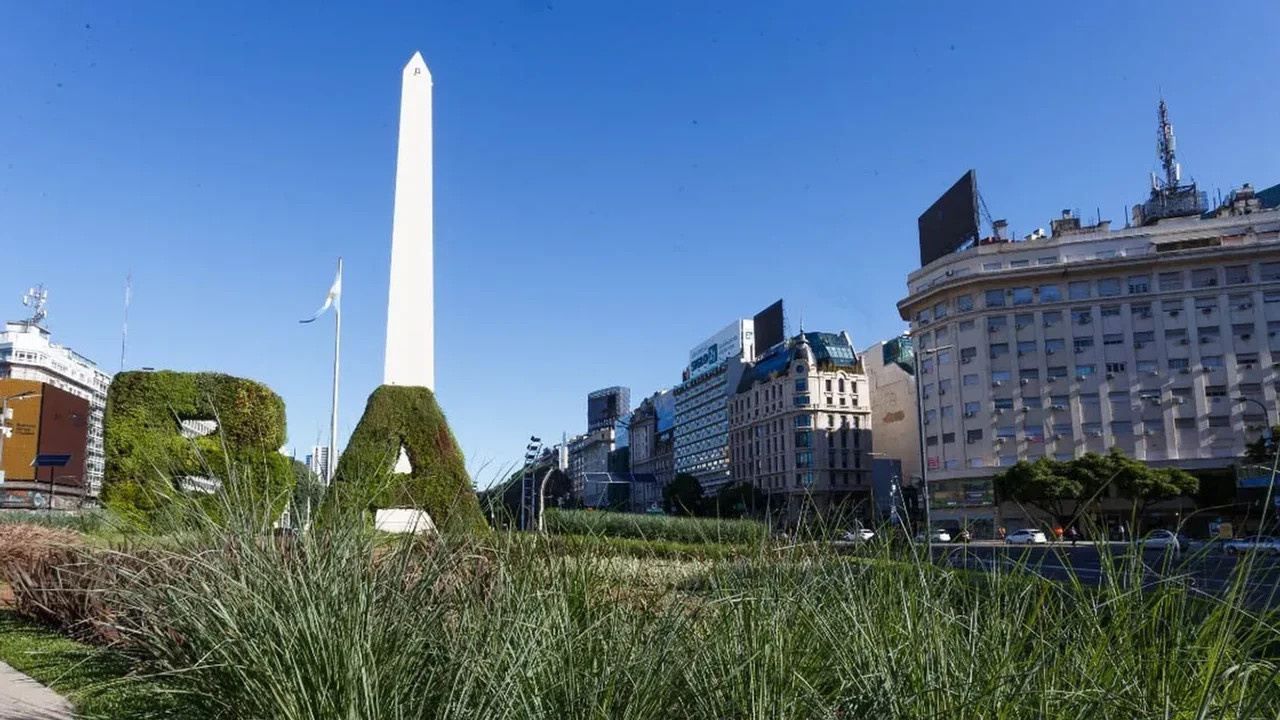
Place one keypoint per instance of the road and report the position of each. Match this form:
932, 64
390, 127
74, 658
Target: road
1207, 569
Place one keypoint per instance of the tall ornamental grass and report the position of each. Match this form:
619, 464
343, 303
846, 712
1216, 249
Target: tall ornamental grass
341, 622
655, 527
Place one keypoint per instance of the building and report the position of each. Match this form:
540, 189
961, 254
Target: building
1161, 339
701, 424
652, 438
27, 352
45, 420
318, 462
800, 429
589, 453
892, 385
606, 407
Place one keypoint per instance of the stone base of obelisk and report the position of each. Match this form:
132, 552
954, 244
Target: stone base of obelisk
403, 455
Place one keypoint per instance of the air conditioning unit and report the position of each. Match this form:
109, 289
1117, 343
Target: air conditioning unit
1096, 433
1024, 381
1206, 311
1058, 407
1179, 401
1154, 373
1246, 336
992, 328
999, 441
1174, 313
1080, 377
1019, 353
1050, 352
942, 392
1026, 409
1184, 341
1204, 339
998, 411
970, 441
1139, 345
1149, 433
1185, 371
1057, 436
927, 421
1271, 333
1018, 326
1248, 367
1048, 324
965, 361
969, 414
1110, 375
1208, 369
1245, 306
996, 383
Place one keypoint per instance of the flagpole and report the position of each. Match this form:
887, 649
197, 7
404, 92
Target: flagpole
333, 421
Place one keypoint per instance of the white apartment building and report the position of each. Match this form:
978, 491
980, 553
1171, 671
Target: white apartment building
318, 462
1161, 339
28, 353
701, 427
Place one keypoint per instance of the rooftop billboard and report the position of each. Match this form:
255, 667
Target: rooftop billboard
951, 221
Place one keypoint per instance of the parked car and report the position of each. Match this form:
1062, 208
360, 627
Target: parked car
858, 535
1165, 540
1257, 543
1026, 536
938, 535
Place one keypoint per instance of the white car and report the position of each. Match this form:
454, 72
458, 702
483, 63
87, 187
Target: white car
1026, 536
1257, 543
858, 535
1165, 540
937, 535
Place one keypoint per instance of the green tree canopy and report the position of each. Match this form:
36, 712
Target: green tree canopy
1045, 484
741, 499
683, 496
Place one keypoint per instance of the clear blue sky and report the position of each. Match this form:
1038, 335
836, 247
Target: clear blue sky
614, 182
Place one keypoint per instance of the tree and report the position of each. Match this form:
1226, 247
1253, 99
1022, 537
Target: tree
1146, 485
683, 496
1045, 484
740, 500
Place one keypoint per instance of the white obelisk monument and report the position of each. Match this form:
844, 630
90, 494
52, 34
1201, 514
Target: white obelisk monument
410, 358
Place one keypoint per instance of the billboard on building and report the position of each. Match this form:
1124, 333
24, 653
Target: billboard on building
605, 407
951, 221
664, 406
736, 340
48, 421
768, 327
23, 441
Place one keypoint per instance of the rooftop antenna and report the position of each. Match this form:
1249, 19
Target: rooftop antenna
35, 298
124, 332
1167, 149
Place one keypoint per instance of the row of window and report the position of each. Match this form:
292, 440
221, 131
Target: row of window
1180, 395
1104, 287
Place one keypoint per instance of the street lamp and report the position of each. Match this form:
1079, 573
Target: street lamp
924, 462
1266, 416
4, 421
526, 481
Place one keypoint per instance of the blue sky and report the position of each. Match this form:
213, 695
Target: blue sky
614, 182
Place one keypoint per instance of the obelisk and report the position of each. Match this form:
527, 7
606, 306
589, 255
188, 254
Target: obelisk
410, 351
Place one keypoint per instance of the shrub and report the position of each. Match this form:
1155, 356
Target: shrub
655, 527
399, 417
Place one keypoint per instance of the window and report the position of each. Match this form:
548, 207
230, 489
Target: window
1154, 426
802, 385
1023, 320
1033, 402
1019, 263
1085, 370
1027, 348
975, 462
1139, 284
995, 298
944, 357
1209, 334
972, 436
996, 323
1147, 366
1140, 312
1250, 389
999, 376
1094, 429
967, 325
1055, 373
1173, 307
940, 310
998, 349
1185, 423
1240, 301
1082, 343
1179, 364
1082, 316
1108, 287
1207, 277
840, 385
1113, 339
1062, 429
967, 355
804, 421
1237, 274
1003, 403
970, 409
948, 411
1051, 317
948, 438
1171, 281
1034, 433
991, 266
1059, 400
1215, 391
828, 385
1053, 346
923, 316
1047, 261
964, 303
950, 464
1078, 290
1121, 427
1211, 361
1246, 361
926, 366
1089, 399
1119, 401
1049, 293
1022, 296
804, 439
969, 380
1110, 311
1219, 421
943, 386
1007, 432
804, 459
926, 390
800, 400
1244, 331
1177, 336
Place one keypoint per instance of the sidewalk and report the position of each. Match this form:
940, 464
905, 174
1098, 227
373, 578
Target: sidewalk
22, 698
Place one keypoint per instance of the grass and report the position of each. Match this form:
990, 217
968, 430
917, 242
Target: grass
96, 681
656, 527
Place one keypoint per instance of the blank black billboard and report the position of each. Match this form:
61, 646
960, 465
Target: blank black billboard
950, 222
768, 327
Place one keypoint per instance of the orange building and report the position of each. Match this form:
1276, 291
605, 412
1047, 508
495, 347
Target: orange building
48, 421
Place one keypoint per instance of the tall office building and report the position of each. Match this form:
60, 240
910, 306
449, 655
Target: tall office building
1161, 339
701, 428
318, 461
607, 406
27, 352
